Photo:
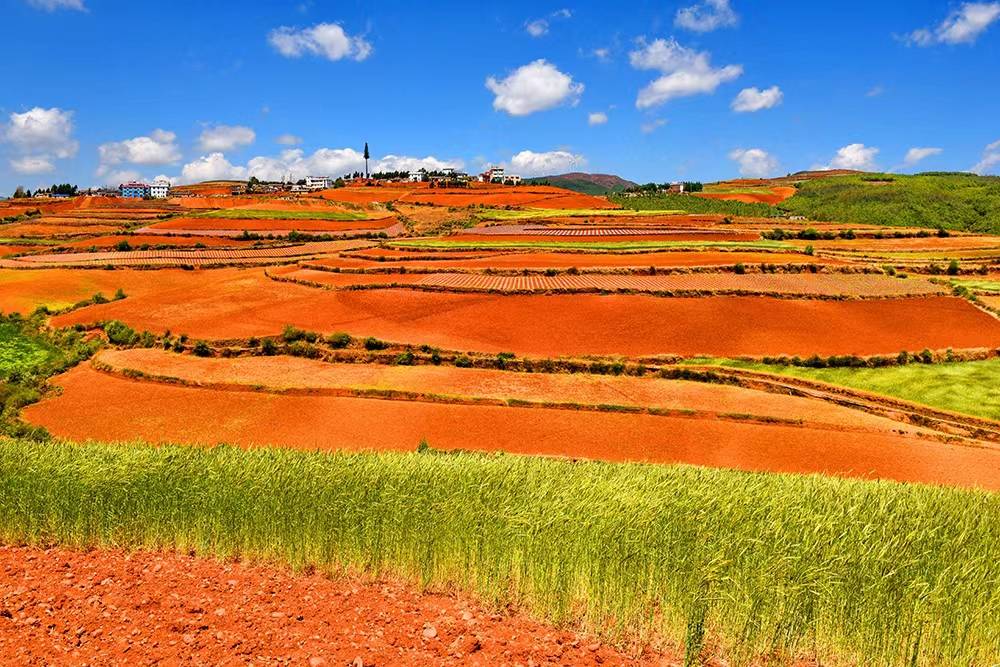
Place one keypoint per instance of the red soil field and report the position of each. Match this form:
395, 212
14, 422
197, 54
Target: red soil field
906, 244
105, 606
596, 260
602, 235
136, 240
233, 303
102, 407
198, 224
828, 285
777, 195
364, 195
296, 373
17, 249
181, 256
208, 201
43, 230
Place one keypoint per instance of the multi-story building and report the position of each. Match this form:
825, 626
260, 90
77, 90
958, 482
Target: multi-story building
159, 189
133, 190
317, 182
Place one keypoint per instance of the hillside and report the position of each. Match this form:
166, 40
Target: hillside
959, 201
590, 184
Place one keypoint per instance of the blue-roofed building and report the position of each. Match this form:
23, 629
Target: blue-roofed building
134, 190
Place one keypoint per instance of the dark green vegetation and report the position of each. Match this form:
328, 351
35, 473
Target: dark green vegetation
970, 387
30, 353
694, 204
588, 184
762, 564
951, 201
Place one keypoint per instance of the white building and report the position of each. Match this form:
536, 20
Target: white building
317, 182
492, 175
511, 179
159, 189
416, 176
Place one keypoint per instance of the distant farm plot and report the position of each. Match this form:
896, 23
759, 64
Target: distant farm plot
808, 285
536, 214
232, 304
606, 246
278, 214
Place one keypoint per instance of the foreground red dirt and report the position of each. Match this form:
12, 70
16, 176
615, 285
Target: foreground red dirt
59, 606
94, 405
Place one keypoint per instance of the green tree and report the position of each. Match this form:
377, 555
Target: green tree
366, 159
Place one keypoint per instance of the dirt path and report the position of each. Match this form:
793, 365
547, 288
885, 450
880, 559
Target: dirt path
60, 606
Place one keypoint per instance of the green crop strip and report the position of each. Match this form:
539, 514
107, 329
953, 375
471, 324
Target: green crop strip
969, 387
871, 572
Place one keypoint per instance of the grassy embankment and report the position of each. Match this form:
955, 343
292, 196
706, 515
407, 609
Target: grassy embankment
969, 387
953, 201
257, 214
692, 204
610, 246
761, 564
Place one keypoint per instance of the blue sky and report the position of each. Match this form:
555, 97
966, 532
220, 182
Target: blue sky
697, 89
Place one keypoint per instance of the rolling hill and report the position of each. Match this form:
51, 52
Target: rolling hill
590, 184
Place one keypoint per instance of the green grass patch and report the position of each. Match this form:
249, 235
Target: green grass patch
693, 204
541, 213
444, 244
257, 214
766, 564
969, 387
992, 286
22, 352
950, 200
22, 240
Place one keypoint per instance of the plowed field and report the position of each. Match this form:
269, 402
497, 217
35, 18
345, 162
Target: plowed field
103, 407
238, 304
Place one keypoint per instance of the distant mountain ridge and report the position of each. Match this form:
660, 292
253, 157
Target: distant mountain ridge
589, 184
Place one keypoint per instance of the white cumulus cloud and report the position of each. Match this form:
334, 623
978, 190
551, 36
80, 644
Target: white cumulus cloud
42, 131
754, 162
534, 87
917, 154
852, 156
530, 163
327, 40
754, 99
32, 164
685, 72
212, 167
159, 147
963, 26
597, 118
706, 16
990, 159
407, 163
222, 138
53, 5
289, 140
